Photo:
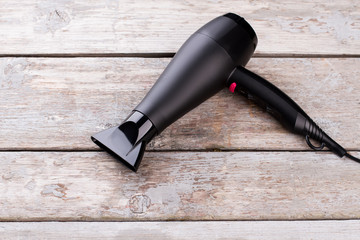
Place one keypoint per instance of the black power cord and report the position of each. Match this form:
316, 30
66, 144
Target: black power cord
348, 155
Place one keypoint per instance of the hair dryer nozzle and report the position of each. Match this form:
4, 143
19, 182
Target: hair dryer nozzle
127, 142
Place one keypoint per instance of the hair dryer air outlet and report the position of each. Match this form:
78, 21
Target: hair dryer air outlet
212, 58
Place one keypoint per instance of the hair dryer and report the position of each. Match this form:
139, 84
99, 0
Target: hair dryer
212, 58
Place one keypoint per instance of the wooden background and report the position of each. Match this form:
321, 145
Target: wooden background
227, 170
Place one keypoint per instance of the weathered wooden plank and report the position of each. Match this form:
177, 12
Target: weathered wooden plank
269, 230
90, 26
65, 186
52, 103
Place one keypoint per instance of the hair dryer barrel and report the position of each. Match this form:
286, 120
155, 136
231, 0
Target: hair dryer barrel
197, 72
199, 69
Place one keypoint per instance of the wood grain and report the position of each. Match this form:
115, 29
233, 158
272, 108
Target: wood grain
90, 26
50, 106
57, 103
67, 186
263, 230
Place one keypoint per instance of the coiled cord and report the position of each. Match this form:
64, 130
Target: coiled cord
313, 131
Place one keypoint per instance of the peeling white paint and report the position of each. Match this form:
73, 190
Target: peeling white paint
333, 80
112, 4
168, 196
336, 23
12, 72
53, 189
52, 16
30, 185
57, 190
342, 28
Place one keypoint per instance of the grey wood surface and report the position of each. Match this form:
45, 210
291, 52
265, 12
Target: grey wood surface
57, 103
252, 230
91, 26
69, 69
92, 186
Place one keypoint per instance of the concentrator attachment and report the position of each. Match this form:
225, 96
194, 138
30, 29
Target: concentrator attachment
127, 142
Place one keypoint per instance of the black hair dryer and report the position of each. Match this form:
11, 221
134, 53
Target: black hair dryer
212, 58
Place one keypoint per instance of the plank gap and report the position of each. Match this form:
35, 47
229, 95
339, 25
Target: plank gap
167, 55
176, 221
175, 150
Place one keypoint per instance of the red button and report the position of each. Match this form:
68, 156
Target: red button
232, 87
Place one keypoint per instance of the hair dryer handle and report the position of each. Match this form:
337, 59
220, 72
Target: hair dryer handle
265, 94
281, 106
